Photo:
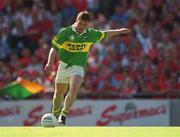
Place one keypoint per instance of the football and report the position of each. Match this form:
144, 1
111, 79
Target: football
48, 120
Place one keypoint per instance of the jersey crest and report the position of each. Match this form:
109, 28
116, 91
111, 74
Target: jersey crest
71, 38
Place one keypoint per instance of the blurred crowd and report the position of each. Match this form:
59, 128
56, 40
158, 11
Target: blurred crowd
143, 64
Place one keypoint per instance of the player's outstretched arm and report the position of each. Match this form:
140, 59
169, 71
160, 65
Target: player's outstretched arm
111, 33
51, 57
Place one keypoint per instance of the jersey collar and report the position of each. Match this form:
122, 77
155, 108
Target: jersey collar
74, 29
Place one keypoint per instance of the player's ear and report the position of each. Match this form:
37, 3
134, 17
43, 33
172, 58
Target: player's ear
90, 24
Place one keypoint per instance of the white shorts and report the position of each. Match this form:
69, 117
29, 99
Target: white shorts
64, 72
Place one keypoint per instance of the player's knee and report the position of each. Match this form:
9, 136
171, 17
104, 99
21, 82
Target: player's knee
58, 94
74, 89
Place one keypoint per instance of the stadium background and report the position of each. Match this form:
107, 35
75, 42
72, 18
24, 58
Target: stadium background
132, 80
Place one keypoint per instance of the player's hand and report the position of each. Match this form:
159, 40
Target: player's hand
48, 68
125, 31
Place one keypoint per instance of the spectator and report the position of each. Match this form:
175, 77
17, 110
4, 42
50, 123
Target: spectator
5, 50
18, 38
120, 15
35, 65
144, 38
26, 57
69, 12
56, 17
25, 15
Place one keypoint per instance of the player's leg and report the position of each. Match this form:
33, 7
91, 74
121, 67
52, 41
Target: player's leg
74, 84
61, 85
60, 90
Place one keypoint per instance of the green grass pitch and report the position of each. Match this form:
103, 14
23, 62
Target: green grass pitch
90, 132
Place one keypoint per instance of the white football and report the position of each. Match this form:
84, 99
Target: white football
48, 120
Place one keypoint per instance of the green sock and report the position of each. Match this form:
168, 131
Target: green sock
56, 112
64, 111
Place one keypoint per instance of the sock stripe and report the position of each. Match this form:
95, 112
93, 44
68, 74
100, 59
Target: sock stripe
64, 111
56, 112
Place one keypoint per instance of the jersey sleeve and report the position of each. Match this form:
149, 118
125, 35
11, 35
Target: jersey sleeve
58, 39
97, 35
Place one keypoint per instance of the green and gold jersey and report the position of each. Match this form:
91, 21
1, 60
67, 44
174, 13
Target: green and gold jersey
73, 48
